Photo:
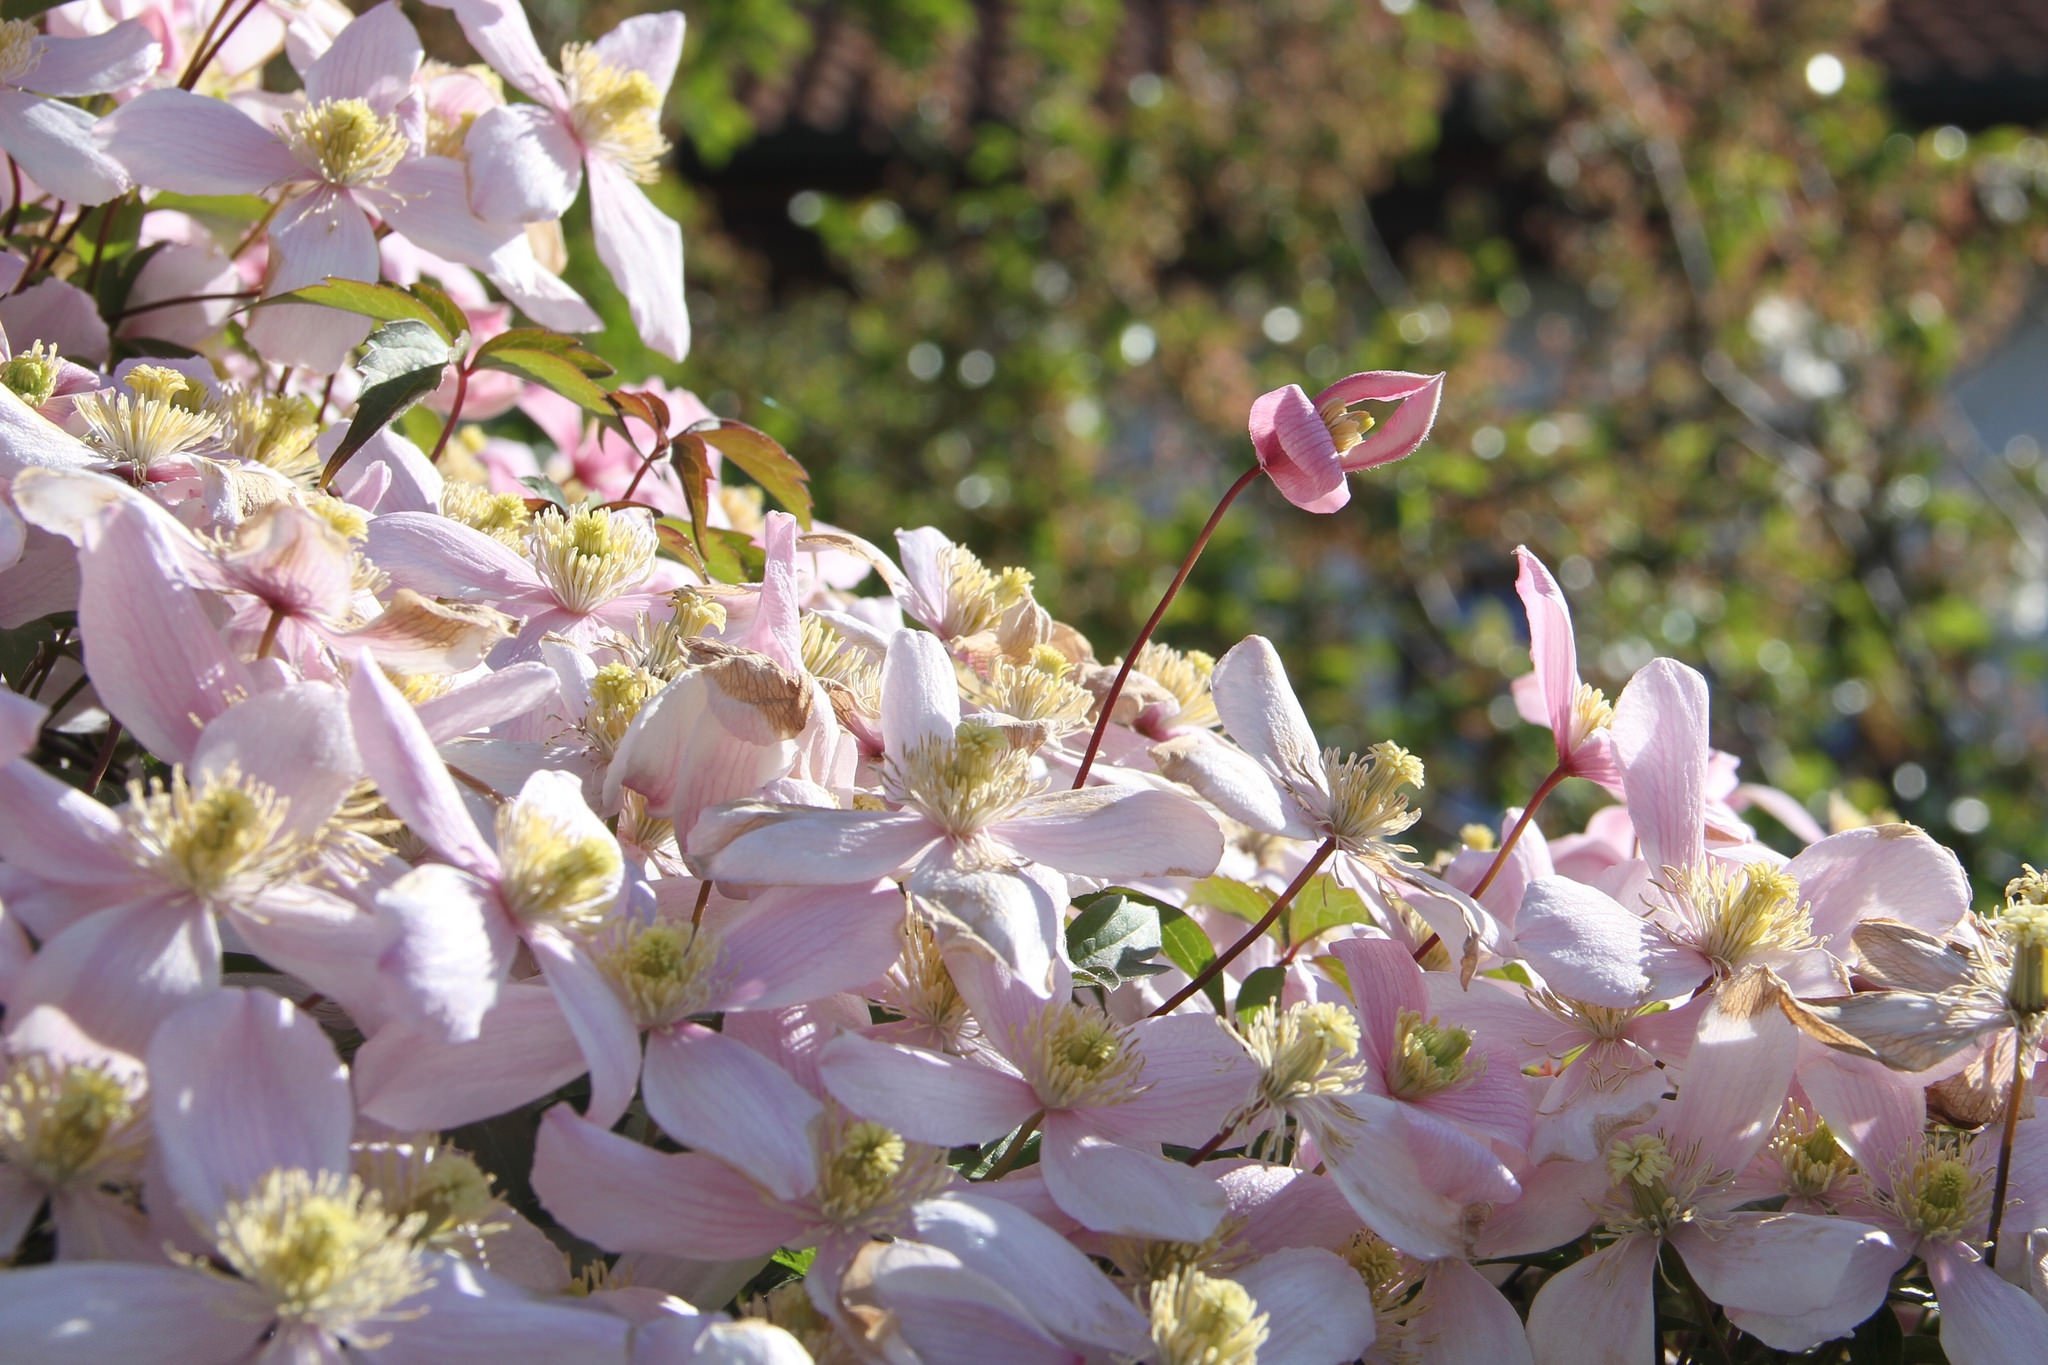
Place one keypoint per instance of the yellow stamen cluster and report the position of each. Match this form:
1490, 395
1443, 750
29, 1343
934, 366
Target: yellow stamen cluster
1186, 676
1077, 1056
864, 1167
346, 519
1037, 690
57, 1120
501, 516
32, 374
1303, 1051
825, 655
218, 837
275, 430
324, 1248
1734, 915
922, 990
1805, 1146
664, 650
553, 872
968, 782
346, 141
2024, 926
20, 54
976, 599
1942, 1194
1591, 713
162, 415
1642, 1169
591, 555
1431, 1057
1478, 838
617, 692
1393, 1280
443, 1189
1200, 1319
664, 970
617, 111
445, 135
1367, 806
1643, 1160
1347, 428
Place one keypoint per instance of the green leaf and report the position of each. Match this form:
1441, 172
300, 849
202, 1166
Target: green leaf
551, 371
553, 343
768, 464
378, 302
1247, 902
405, 361
26, 9
1321, 905
545, 487
452, 319
675, 538
732, 556
238, 209
1113, 940
1188, 948
693, 466
798, 1261
1260, 991
399, 348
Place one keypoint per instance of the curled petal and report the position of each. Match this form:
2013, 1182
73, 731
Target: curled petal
1295, 448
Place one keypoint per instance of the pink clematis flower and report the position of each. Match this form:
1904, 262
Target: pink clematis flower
600, 114
1308, 446
351, 156
1578, 715
52, 141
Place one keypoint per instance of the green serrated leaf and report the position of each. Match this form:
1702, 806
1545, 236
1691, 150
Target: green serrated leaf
768, 464
674, 534
732, 556
1242, 899
693, 467
1188, 948
545, 487
551, 371
453, 321
403, 368
1321, 905
1260, 990
1113, 939
378, 302
402, 347
552, 343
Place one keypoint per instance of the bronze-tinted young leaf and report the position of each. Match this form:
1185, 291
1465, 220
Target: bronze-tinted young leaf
381, 302
454, 322
768, 464
693, 466
675, 538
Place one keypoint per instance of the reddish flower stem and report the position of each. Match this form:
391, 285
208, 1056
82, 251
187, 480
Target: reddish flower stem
1123, 673
2005, 1141
454, 413
1500, 858
1251, 935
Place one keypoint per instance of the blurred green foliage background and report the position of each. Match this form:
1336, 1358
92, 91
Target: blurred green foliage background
1018, 270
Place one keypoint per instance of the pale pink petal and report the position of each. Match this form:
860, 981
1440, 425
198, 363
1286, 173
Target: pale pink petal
1123, 1191
1404, 429
1411, 1177
1559, 1201
1736, 1077
29, 440
1006, 920
114, 60
537, 291
524, 164
1780, 806
21, 721
1116, 832
626, 1197
192, 144
112, 977
795, 944
323, 938
407, 1080
1984, 1320
59, 313
296, 741
88, 1313
774, 629
1817, 1276
924, 1096
453, 944
1551, 644
1011, 1247
400, 756
690, 1079
501, 695
431, 554
317, 236
1586, 945
940, 1309
470, 1314
1260, 711
920, 694
242, 1084
1466, 1318
1384, 981
1229, 779
1318, 1311
650, 43
56, 831
749, 842
373, 59
1196, 1074
1660, 738
643, 249
1295, 449
54, 144
603, 1028
427, 201
1892, 872
498, 30
1599, 1311
698, 743
1874, 1112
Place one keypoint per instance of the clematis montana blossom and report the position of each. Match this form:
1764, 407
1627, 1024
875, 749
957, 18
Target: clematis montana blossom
1308, 445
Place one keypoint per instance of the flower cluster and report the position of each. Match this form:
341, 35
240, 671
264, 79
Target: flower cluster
494, 898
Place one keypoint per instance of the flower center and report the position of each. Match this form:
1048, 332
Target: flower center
501, 516
1942, 1194
663, 970
617, 112
1367, 805
1642, 1168
1806, 1147
1347, 428
443, 1189
323, 1248
19, 54
1037, 690
977, 599
1077, 1056
209, 838
276, 430
1739, 913
1430, 1057
554, 872
32, 374
1201, 1319
346, 141
617, 692
591, 555
56, 1120
2023, 924
968, 782
163, 415
1185, 675
1591, 713
1302, 1052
